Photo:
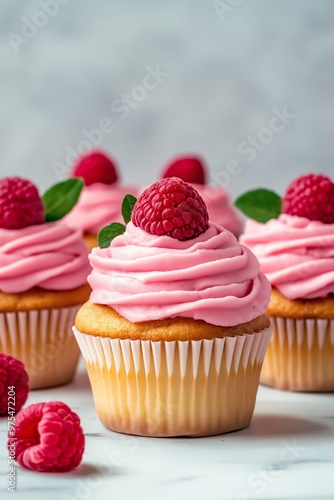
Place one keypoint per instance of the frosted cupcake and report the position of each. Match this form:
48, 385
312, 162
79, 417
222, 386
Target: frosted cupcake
296, 252
43, 271
221, 211
101, 199
175, 330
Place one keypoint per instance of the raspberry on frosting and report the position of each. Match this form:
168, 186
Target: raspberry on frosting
20, 204
311, 196
48, 438
173, 208
188, 168
96, 167
13, 378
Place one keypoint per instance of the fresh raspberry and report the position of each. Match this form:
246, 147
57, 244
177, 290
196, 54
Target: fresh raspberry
20, 204
48, 438
95, 167
188, 168
14, 386
173, 208
311, 196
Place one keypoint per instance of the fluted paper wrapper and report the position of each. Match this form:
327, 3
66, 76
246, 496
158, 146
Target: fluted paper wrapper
174, 388
300, 355
44, 341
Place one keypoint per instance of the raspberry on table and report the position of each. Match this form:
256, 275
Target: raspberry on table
14, 384
20, 204
48, 438
173, 208
188, 168
311, 196
96, 167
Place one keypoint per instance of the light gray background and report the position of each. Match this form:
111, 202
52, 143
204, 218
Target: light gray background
226, 73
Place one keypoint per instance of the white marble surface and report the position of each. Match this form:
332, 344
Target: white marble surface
287, 453
224, 76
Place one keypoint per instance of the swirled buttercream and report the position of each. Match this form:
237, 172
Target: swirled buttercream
211, 278
99, 205
296, 255
51, 256
221, 211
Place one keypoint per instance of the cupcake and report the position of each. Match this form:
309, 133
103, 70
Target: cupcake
43, 271
101, 199
296, 252
175, 330
192, 169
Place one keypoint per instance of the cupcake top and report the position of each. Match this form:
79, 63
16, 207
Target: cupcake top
220, 208
221, 211
99, 205
171, 261
36, 248
101, 199
296, 254
296, 249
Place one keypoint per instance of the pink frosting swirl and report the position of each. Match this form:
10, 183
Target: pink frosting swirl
51, 256
296, 254
211, 278
99, 205
221, 211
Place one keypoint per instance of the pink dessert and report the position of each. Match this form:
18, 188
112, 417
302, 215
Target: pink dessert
293, 239
101, 199
43, 278
146, 277
175, 330
170, 246
296, 254
220, 208
98, 206
221, 211
50, 256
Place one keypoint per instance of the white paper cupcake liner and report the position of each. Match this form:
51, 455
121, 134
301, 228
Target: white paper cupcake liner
300, 355
107, 352
44, 341
177, 387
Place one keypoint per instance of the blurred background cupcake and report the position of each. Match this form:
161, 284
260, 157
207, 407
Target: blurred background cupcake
192, 169
175, 330
296, 253
43, 279
101, 199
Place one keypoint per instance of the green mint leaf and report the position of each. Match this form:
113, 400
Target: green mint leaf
127, 206
108, 233
59, 200
260, 204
